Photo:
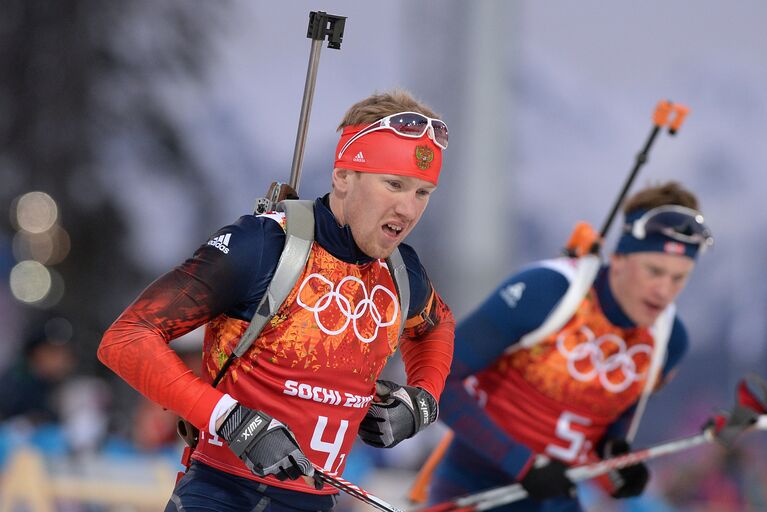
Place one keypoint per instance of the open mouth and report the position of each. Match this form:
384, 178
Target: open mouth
655, 308
392, 230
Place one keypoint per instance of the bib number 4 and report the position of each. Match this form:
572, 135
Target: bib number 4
333, 449
318, 443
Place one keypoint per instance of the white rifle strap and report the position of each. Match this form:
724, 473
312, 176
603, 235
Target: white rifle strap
299, 237
661, 333
581, 279
398, 271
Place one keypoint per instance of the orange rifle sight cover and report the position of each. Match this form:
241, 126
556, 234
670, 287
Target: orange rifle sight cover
582, 240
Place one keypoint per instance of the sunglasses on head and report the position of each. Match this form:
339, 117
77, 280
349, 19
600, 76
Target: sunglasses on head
676, 222
407, 124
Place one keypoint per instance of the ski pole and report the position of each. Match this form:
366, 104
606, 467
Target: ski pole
506, 494
353, 490
749, 413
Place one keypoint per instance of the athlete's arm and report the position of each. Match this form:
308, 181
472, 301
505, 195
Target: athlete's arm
427, 341
518, 306
210, 283
399, 412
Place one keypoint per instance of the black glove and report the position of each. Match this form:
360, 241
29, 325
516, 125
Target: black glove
264, 444
547, 479
399, 413
629, 481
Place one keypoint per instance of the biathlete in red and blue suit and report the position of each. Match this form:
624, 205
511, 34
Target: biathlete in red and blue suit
527, 413
308, 385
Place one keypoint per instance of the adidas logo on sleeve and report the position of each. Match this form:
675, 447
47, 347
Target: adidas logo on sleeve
221, 242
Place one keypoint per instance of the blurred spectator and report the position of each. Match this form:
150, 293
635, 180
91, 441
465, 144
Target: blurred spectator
718, 480
82, 405
30, 384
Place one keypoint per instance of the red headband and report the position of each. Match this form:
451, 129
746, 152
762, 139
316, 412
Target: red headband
385, 152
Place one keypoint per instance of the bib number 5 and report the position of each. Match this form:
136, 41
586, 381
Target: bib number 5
574, 439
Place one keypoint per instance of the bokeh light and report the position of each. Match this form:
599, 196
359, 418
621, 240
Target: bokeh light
49, 247
35, 212
30, 281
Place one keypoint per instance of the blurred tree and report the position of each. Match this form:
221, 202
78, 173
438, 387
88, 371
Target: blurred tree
79, 78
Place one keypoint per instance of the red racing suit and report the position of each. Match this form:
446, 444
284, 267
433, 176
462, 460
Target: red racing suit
313, 367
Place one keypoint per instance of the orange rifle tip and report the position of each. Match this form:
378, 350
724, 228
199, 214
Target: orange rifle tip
662, 111
681, 112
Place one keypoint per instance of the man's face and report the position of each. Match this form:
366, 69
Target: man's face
644, 283
380, 209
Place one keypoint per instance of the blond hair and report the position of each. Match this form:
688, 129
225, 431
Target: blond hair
379, 105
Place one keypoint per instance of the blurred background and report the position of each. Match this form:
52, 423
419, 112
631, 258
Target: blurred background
131, 130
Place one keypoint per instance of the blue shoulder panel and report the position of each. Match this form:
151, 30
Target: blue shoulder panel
420, 286
242, 257
518, 306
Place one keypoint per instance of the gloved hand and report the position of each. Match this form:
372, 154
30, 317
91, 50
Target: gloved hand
265, 445
728, 426
397, 413
625, 482
547, 479
751, 404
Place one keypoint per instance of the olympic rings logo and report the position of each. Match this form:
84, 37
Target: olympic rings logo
351, 314
592, 353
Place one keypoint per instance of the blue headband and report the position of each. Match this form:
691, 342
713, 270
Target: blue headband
652, 242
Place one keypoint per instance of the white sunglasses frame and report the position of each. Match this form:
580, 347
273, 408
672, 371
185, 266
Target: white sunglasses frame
384, 125
638, 231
